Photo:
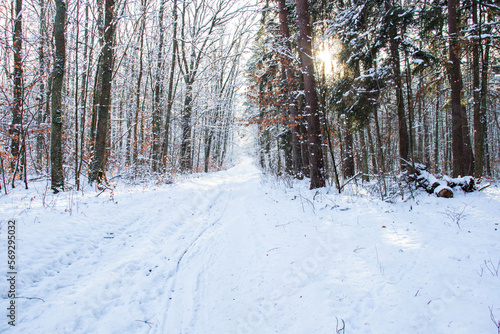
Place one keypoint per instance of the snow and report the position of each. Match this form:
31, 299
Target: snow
239, 252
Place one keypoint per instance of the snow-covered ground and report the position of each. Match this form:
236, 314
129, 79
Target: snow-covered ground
236, 252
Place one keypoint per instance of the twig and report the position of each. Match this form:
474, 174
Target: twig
146, 322
492, 316
340, 330
30, 298
494, 271
301, 202
484, 187
352, 178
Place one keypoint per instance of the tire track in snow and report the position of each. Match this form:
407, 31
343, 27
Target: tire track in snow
190, 301
78, 282
141, 243
212, 203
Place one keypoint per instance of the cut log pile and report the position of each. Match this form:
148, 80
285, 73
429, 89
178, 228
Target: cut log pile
419, 174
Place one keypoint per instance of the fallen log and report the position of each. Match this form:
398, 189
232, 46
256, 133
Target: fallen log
442, 188
467, 183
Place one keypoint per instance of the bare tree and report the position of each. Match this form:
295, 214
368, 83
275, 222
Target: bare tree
42, 70
16, 130
157, 94
56, 154
171, 77
106, 62
199, 21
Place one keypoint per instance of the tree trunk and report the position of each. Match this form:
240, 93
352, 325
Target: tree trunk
478, 135
186, 162
481, 129
313, 120
208, 146
381, 155
347, 127
404, 141
106, 70
135, 151
157, 93
436, 126
468, 154
42, 70
170, 92
413, 149
291, 88
56, 154
458, 147
16, 125
348, 162
364, 156
76, 93
83, 96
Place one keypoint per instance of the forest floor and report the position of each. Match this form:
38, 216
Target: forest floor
237, 252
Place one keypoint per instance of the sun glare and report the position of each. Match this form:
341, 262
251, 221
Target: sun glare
326, 59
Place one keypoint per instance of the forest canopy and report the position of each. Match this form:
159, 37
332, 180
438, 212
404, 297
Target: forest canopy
92, 90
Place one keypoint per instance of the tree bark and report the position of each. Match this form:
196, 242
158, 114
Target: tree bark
97, 171
436, 126
135, 150
458, 147
404, 141
481, 129
348, 162
42, 70
291, 87
476, 93
56, 154
186, 163
170, 92
83, 97
157, 93
364, 156
76, 93
313, 120
16, 125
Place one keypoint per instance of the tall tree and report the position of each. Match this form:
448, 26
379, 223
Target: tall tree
42, 70
56, 154
137, 108
106, 62
83, 97
476, 93
157, 94
317, 171
171, 75
198, 22
458, 139
290, 82
480, 123
404, 139
17, 105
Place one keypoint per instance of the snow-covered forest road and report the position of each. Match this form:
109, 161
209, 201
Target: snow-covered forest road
238, 252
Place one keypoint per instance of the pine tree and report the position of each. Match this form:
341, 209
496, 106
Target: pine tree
312, 109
